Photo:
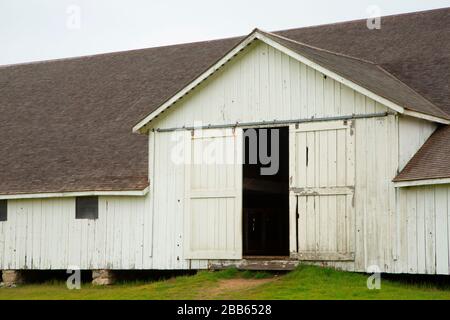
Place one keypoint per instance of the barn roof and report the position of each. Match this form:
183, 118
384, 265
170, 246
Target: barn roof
364, 76
432, 161
368, 75
65, 125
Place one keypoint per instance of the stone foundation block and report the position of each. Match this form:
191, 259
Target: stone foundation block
11, 278
102, 277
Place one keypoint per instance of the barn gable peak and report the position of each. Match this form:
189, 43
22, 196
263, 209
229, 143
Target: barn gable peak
360, 75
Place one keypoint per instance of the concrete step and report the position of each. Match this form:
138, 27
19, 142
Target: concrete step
255, 264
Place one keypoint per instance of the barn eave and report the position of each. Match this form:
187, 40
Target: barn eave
71, 194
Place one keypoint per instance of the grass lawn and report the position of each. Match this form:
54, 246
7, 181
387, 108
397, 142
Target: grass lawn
306, 282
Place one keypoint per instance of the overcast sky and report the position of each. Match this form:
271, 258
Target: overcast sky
32, 30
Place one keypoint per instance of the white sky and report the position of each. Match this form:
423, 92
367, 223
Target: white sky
32, 30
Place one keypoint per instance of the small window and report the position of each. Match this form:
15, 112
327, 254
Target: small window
3, 210
86, 208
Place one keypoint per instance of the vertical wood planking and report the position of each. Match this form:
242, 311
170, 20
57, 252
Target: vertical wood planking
294, 206
402, 238
448, 227
392, 167
360, 194
2, 244
324, 159
441, 209
408, 202
269, 86
421, 232
44, 234
430, 231
412, 135
427, 228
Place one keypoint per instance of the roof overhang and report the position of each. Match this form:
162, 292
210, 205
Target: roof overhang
143, 125
418, 183
423, 116
131, 193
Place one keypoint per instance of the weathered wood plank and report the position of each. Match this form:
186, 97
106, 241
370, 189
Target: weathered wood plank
254, 264
323, 256
441, 209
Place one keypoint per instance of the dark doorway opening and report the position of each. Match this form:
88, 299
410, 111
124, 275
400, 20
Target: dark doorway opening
266, 194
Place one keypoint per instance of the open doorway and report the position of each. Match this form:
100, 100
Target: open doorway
266, 192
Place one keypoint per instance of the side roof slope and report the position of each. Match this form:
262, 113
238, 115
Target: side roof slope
432, 161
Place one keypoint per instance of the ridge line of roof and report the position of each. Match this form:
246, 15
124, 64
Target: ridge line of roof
365, 19
94, 55
217, 39
317, 48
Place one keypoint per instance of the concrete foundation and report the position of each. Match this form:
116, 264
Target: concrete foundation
11, 278
102, 277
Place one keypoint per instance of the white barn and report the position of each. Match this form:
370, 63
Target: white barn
363, 173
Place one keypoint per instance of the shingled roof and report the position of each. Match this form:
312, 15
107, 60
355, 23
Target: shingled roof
432, 161
65, 125
368, 75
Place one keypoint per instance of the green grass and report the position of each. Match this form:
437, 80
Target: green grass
306, 282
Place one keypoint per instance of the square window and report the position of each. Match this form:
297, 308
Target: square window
86, 208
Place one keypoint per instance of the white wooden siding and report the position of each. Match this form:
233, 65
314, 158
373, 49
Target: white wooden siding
375, 206
44, 234
167, 204
322, 170
413, 133
260, 84
213, 194
264, 84
267, 85
424, 233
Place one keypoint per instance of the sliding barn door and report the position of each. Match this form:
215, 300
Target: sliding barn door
213, 219
322, 170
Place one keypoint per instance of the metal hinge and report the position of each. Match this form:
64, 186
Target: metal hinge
307, 156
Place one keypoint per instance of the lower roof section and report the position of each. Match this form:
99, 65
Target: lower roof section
128, 193
419, 183
22, 183
431, 162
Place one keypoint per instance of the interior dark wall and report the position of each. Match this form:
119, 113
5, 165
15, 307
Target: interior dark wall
266, 202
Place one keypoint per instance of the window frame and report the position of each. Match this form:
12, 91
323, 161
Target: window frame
86, 208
